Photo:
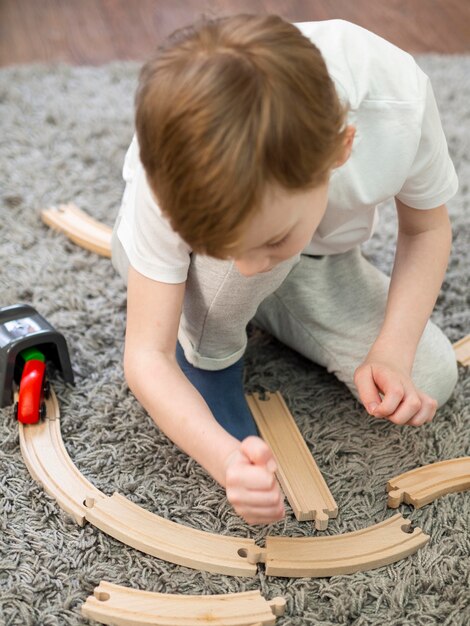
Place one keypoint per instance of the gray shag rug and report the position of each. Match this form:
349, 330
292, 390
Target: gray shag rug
64, 133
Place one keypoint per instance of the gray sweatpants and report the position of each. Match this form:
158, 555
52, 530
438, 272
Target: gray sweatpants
330, 309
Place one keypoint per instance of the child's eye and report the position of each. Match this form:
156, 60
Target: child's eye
277, 244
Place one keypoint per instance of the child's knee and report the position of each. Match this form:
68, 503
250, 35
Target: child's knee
435, 371
447, 379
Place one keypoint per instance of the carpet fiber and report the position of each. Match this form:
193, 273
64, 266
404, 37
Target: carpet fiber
64, 132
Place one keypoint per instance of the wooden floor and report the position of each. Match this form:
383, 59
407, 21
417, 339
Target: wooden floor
93, 32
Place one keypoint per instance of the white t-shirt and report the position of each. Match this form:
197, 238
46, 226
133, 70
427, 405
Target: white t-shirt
399, 150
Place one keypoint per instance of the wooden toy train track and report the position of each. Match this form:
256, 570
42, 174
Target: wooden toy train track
122, 606
422, 485
298, 473
49, 463
357, 551
79, 228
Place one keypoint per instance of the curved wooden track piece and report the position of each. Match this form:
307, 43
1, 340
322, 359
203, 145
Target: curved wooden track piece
121, 606
424, 484
298, 473
48, 462
122, 519
358, 551
79, 228
462, 350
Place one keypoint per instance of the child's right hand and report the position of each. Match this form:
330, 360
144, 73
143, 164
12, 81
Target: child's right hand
251, 485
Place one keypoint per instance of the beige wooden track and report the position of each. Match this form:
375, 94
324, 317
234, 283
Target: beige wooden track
79, 228
361, 550
121, 606
48, 462
124, 520
298, 473
424, 484
462, 350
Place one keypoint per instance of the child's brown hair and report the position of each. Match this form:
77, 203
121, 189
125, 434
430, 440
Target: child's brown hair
226, 108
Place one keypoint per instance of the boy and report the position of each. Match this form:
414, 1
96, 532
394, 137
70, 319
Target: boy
262, 149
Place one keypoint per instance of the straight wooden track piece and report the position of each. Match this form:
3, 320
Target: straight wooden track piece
122, 519
462, 350
79, 228
357, 551
48, 462
424, 484
298, 473
122, 606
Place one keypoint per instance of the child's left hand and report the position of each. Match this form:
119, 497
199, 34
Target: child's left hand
388, 392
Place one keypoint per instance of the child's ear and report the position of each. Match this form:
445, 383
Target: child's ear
347, 146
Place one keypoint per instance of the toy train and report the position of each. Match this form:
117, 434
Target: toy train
27, 343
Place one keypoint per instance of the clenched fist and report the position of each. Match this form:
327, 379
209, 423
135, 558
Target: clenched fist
251, 485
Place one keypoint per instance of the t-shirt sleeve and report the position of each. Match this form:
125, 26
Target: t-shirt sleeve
432, 179
153, 248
